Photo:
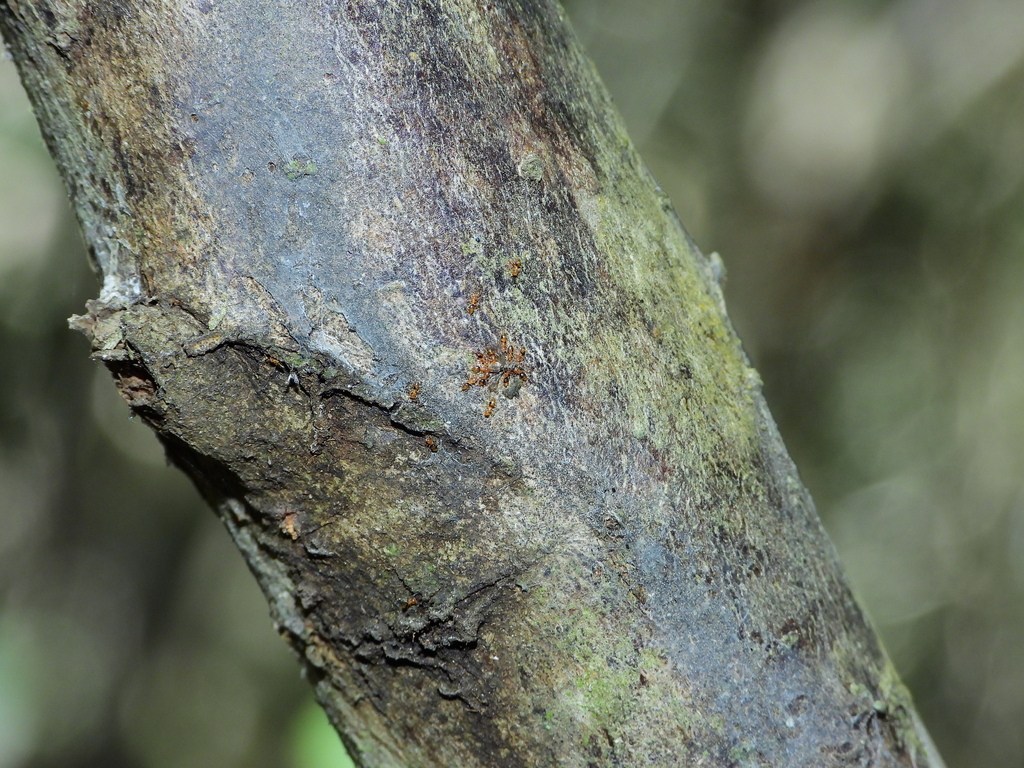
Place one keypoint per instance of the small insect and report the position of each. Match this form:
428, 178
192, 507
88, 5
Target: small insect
474, 303
431, 444
414, 391
410, 603
288, 526
489, 409
515, 267
502, 364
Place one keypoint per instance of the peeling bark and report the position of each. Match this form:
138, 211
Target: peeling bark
393, 287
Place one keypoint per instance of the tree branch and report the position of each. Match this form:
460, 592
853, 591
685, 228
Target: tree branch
394, 288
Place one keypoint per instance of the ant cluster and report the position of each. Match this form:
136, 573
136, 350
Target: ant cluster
493, 366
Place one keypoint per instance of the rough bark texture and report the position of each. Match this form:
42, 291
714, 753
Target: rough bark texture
392, 285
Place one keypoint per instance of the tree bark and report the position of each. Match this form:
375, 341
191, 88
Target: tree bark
393, 287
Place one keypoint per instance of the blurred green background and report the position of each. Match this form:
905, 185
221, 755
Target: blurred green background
859, 165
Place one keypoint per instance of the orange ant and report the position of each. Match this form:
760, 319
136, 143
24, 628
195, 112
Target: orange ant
489, 409
414, 391
515, 267
474, 303
431, 444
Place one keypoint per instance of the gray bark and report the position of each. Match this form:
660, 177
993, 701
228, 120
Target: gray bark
393, 287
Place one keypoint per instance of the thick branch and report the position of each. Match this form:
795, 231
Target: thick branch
392, 285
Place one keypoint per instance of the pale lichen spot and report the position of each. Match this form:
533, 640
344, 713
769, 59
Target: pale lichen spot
531, 167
